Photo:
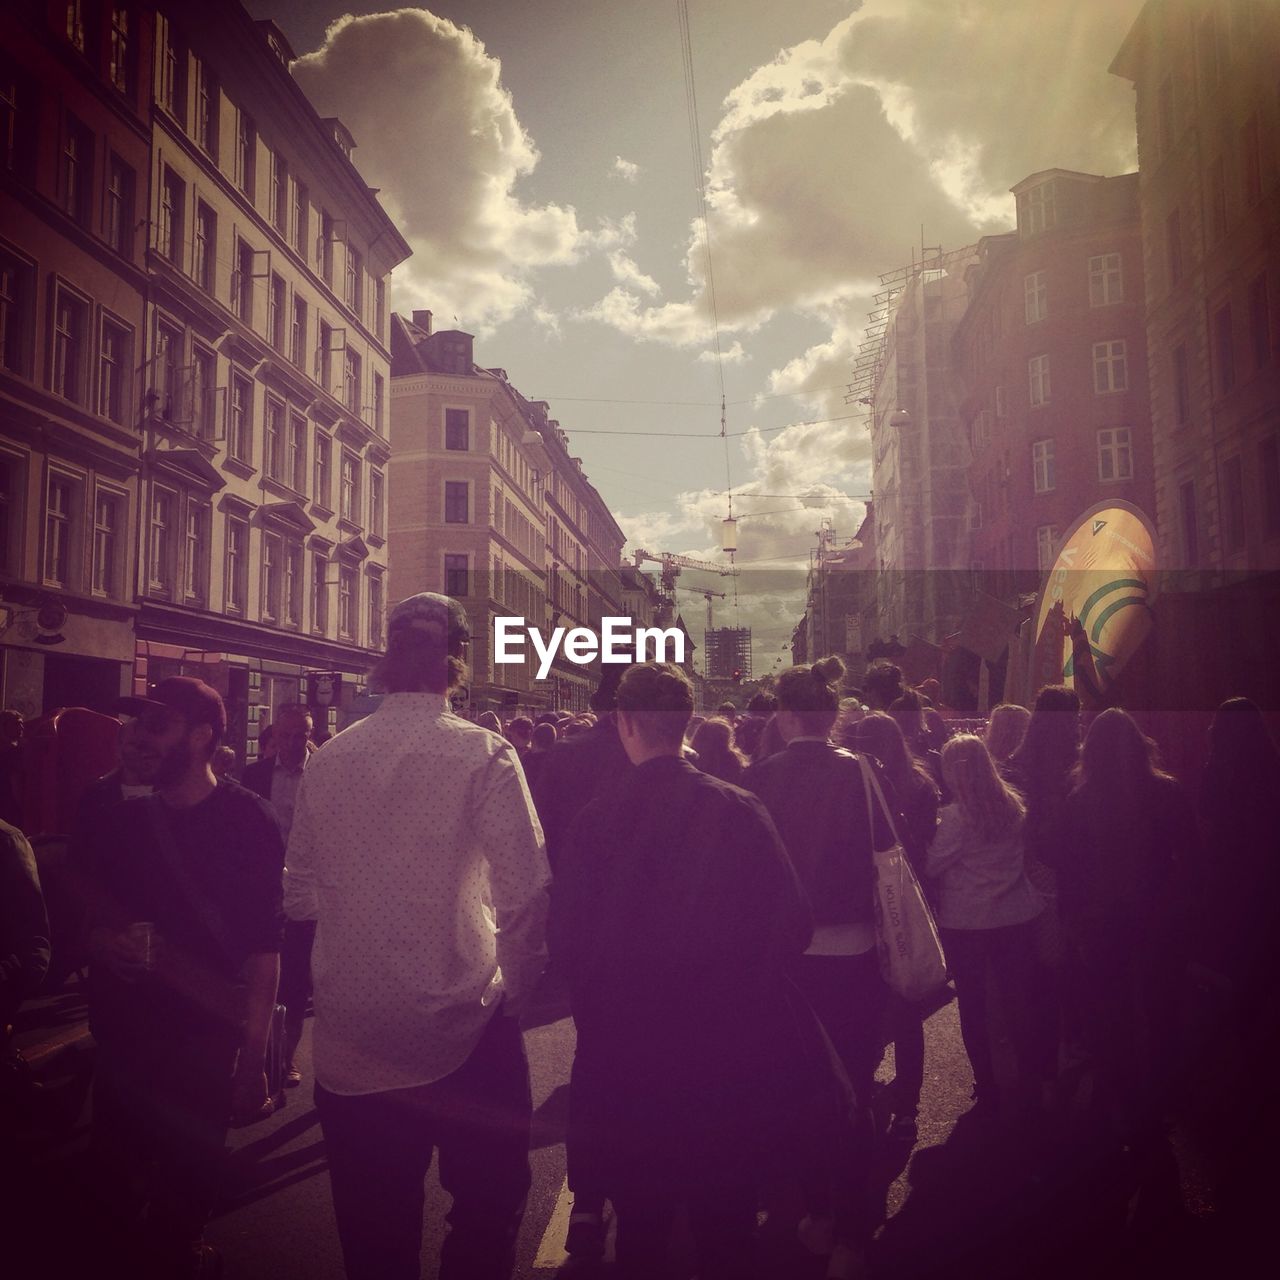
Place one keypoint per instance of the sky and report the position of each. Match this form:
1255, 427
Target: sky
540, 157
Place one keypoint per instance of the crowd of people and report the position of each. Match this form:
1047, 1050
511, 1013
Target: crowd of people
705, 891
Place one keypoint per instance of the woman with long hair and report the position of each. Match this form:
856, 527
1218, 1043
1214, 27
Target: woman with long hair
1125, 864
717, 755
1006, 728
815, 793
986, 908
879, 736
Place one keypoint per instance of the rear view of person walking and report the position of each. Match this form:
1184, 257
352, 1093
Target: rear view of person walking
416, 850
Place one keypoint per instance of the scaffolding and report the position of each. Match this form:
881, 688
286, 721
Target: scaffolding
727, 652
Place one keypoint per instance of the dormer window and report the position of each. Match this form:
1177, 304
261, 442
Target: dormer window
1037, 209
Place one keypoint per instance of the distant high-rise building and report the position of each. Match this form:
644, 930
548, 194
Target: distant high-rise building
727, 653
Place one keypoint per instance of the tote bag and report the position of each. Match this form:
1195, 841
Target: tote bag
907, 942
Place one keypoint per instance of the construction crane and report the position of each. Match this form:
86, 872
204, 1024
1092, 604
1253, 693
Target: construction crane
709, 596
672, 564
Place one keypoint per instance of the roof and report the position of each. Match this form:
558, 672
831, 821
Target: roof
1034, 179
1128, 60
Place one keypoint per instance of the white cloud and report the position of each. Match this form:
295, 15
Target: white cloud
627, 170
735, 354
625, 272
438, 133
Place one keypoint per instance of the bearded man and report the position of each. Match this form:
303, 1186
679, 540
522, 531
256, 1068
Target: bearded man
185, 941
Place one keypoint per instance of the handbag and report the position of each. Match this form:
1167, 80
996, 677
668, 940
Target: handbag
907, 943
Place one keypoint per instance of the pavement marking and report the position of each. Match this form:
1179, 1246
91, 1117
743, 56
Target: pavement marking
551, 1254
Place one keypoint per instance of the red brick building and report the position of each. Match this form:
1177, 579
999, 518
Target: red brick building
1051, 360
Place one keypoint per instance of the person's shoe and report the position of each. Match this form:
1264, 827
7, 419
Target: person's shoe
818, 1235
903, 1128
585, 1238
292, 1078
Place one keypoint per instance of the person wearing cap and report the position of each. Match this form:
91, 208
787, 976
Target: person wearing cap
185, 941
416, 849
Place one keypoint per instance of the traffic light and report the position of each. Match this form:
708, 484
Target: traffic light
737, 675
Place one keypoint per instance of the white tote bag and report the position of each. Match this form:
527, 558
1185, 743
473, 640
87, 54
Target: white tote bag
907, 941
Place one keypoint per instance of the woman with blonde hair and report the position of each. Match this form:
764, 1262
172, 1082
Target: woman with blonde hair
1005, 729
717, 754
985, 908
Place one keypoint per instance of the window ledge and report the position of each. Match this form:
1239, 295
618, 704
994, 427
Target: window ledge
237, 466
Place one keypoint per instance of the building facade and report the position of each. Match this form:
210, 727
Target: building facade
489, 506
75, 99
1050, 357
264, 424
1208, 123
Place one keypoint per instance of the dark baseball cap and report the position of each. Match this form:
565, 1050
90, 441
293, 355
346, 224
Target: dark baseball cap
427, 611
195, 701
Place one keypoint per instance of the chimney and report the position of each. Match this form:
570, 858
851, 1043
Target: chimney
422, 320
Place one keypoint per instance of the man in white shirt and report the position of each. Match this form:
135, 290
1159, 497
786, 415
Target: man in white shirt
416, 848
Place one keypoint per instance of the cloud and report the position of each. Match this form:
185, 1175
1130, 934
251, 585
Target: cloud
410, 85
735, 354
627, 170
625, 272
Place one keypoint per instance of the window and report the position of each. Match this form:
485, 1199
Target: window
276, 312
298, 332
1190, 523
165, 370
351, 381
349, 489
171, 92
1217, 199
296, 461
1251, 161
240, 424
207, 109
206, 247
379, 308
273, 440
1233, 535
246, 153
195, 552
377, 504
353, 284
119, 69
12, 488
204, 375
457, 502
1173, 247
1046, 543
70, 345
242, 282
457, 429
1038, 378
107, 543
348, 590
1106, 282
113, 372
1115, 454
77, 171
160, 543
169, 231
301, 218
1037, 209
324, 248
60, 519
1224, 349
235, 572
15, 306
455, 576
1042, 466
1259, 321
981, 430
1035, 297
292, 584
1181, 387
279, 192
379, 403
319, 593
1165, 116
1269, 463
324, 357
375, 611
1110, 367
999, 402
120, 185
18, 123
323, 494
272, 573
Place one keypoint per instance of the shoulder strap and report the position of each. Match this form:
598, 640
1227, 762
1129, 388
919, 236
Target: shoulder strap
870, 784
190, 891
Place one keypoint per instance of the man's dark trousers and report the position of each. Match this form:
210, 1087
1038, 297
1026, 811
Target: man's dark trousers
380, 1147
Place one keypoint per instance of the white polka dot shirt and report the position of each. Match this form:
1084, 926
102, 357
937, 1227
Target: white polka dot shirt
416, 847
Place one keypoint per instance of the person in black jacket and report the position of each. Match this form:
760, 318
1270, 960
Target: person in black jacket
24, 926
676, 914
